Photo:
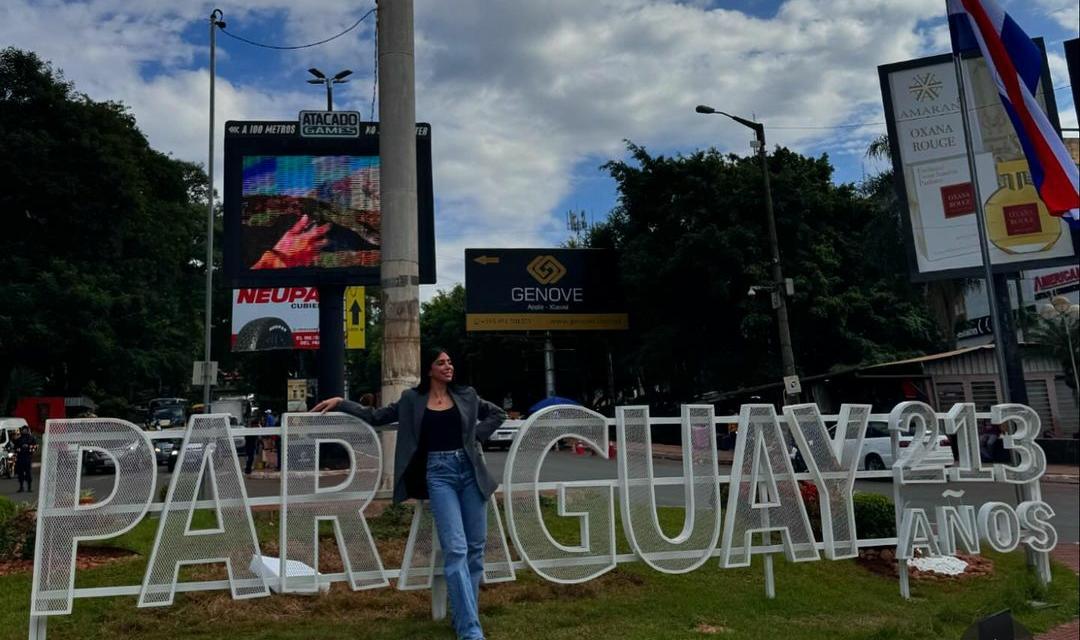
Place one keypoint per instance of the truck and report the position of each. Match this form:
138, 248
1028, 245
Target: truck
239, 410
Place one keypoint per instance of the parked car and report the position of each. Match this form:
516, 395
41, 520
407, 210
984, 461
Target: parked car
503, 437
876, 453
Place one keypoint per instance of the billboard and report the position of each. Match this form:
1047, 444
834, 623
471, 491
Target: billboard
281, 318
933, 182
542, 290
303, 211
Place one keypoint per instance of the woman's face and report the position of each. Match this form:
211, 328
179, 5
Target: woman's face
442, 369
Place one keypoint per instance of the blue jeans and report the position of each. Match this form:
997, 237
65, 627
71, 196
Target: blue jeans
460, 513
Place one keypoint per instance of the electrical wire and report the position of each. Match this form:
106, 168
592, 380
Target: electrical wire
301, 46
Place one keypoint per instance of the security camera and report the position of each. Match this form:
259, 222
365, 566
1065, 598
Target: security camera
752, 292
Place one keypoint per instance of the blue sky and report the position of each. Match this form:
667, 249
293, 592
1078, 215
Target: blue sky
526, 99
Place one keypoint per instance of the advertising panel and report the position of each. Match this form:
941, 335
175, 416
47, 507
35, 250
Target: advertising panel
542, 290
282, 318
304, 211
933, 180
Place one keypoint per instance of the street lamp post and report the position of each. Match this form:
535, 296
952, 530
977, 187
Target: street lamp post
779, 288
320, 78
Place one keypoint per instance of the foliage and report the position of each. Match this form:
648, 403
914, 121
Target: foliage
875, 516
1054, 337
18, 527
692, 240
494, 363
102, 234
22, 382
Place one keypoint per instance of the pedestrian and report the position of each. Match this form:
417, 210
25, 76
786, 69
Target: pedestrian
24, 446
251, 446
440, 427
269, 420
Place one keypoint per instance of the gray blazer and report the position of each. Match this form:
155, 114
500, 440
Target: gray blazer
479, 419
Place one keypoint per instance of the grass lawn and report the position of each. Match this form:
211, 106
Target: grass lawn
835, 600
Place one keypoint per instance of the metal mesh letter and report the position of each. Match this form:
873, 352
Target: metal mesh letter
957, 524
825, 453
1021, 439
306, 503
62, 522
593, 505
208, 456
910, 466
701, 524
916, 534
423, 553
758, 500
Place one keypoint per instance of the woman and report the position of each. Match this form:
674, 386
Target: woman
440, 427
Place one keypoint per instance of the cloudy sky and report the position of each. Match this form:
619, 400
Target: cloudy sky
526, 98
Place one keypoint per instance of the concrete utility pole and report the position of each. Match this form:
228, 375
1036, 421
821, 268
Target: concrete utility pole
215, 22
400, 271
779, 286
787, 356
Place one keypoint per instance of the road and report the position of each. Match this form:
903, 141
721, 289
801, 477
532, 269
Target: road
564, 465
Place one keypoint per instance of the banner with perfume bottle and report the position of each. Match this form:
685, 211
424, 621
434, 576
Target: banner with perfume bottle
933, 181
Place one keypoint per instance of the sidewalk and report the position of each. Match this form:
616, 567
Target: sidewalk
1068, 554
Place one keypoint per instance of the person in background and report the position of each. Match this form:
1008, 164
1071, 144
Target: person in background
268, 419
251, 446
25, 446
440, 427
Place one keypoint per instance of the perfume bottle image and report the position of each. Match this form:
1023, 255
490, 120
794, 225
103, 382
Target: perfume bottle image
1016, 219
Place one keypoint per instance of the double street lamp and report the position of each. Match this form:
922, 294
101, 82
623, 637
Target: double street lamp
320, 78
780, 288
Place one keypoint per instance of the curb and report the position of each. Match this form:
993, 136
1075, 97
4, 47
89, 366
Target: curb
276, 475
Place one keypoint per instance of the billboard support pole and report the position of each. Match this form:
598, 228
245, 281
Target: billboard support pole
984, 247
331, 340
998, 320
399, 269
215, 22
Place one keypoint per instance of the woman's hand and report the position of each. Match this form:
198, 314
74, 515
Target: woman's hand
328, 405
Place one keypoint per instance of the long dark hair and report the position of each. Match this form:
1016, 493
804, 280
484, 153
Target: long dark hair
428, 355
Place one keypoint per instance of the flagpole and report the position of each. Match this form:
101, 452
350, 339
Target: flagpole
984, 245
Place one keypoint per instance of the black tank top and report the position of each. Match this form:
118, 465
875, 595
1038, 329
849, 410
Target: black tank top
441, 430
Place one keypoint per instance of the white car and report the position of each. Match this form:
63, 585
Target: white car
503, 437
876, 453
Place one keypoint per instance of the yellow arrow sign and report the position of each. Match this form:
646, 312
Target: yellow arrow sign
487, 260
355, 318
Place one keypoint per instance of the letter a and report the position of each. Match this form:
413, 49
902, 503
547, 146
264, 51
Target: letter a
208, 452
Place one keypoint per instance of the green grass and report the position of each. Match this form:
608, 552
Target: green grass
814, 600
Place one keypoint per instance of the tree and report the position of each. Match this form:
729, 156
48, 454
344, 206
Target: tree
691, 235
100, 251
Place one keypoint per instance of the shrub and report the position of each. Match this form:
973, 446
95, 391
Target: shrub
18, 527
875, 516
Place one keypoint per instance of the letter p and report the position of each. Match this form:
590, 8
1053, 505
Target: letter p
62, 522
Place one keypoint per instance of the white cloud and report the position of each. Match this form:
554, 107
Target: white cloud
1064, 12
519, 94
